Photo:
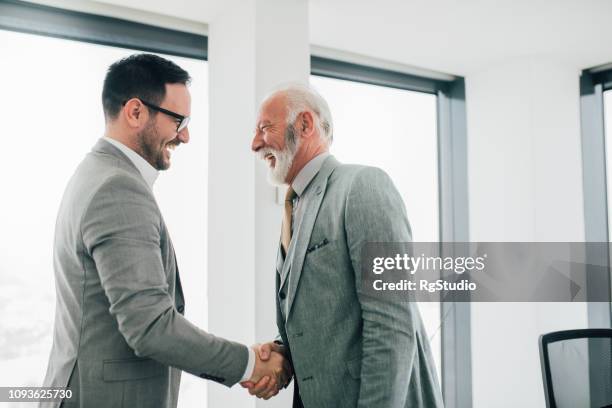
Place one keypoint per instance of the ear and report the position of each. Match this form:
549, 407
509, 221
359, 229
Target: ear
135, 113
306, 124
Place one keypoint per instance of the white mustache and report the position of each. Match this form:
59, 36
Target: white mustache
262, 153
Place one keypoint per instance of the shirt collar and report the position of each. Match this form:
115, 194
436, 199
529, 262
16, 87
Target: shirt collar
308, 172
148, 172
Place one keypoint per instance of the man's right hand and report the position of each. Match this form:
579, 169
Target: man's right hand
272, 371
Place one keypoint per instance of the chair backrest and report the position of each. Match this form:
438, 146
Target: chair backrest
577, 368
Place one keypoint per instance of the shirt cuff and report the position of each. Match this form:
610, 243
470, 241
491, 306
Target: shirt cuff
250, 367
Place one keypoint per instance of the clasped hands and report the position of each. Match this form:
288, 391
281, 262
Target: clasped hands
272, 370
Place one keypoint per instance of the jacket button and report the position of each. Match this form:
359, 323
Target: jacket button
282, 295
181, 308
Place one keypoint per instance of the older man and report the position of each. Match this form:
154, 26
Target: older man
347, 350
120, 336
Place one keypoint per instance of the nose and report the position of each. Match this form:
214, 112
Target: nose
183, 135
257, 142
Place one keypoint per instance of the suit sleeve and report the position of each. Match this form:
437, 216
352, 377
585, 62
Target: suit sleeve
121, 231
375, 213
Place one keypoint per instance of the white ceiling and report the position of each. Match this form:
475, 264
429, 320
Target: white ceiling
453, 36
460, 36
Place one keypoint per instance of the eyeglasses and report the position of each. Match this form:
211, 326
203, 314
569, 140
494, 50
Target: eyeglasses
182, 121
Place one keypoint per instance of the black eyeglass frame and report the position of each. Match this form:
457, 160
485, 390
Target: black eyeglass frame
184, 120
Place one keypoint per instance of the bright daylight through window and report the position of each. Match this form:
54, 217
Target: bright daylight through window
51, 99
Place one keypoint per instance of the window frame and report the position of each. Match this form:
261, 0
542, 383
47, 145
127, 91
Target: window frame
453, 201
593, 83
55, 22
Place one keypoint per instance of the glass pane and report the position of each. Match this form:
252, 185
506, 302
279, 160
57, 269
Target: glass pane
608, 133
395, 130
52, 111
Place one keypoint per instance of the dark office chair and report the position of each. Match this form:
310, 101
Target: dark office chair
577, 368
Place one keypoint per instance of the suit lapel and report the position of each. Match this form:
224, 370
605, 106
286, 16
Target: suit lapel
280, 260
286, 262
179, 297
312, 199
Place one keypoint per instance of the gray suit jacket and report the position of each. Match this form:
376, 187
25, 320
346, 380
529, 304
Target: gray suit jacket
347, 349
120, 336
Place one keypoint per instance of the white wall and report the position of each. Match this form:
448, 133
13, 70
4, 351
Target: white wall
253, 46
231, 194
525, 184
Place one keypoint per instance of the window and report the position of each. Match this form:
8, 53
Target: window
396, 130
414, 128
51, 102
596, 127
608, 143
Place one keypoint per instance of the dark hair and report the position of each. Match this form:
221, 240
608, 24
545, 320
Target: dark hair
141, 76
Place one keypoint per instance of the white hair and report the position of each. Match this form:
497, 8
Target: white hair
301, 98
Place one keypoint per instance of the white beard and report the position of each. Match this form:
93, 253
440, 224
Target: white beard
283, 161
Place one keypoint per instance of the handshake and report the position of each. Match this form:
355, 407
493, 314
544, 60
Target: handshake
271, 372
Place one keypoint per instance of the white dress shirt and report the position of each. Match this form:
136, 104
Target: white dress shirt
150, 173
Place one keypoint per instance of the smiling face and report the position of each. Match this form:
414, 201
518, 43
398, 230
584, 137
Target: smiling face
275, 141
159, 138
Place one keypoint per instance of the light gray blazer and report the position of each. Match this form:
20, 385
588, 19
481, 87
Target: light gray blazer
349, 350
120, 336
